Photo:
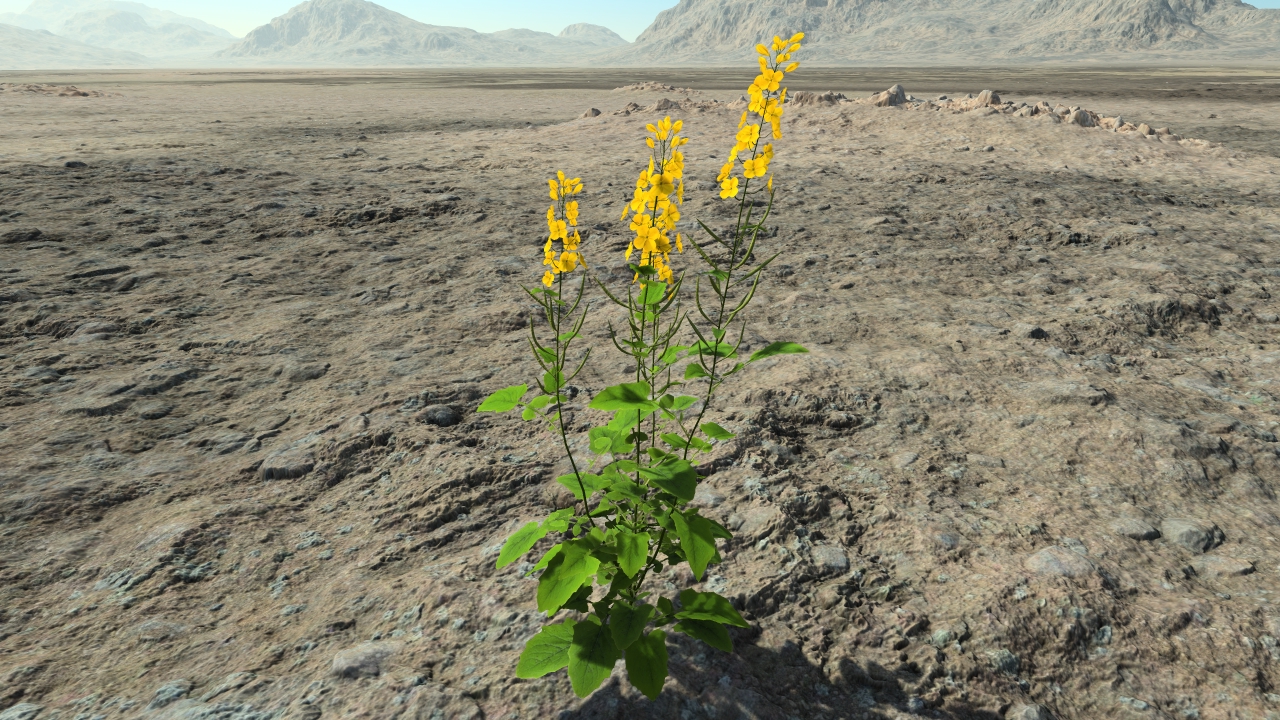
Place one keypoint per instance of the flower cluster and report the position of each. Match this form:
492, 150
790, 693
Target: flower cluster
562, 225
655, 207
765, 109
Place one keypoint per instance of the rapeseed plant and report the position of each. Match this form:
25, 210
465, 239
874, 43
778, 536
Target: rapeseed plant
633, 516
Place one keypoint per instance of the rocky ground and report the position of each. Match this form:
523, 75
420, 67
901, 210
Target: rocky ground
1028, 469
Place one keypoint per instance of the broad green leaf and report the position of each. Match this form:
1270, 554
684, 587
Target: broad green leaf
711, 633
547, 356
540, 402
579, 599
520, 542
684, 402
697, 540
652, 293
693, 370
547, 557
715, 432
665, 606
628, 396
546, 652
558, 521
627, 623
674, 441
592, 483
566, 572
552, 381
633, 551
678, 478
778, 348
529, 413
721, 349
647, 664
504, 399
671, 354
566, 337
592, 656
708, 606
700, 444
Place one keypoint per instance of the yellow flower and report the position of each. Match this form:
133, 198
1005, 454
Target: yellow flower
762, 50
571, 212
756, 167
796, 38
792, 67
729, 188
770, 183
555, 190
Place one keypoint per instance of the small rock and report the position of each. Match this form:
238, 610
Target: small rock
593, 112
440, 415
895, 95
286, 465
1079, 117
904, 460
1059, 561
302, 373
1192, 535
367, 660
989, 148
170, 692
985, 98
1145, 129
962, 148
1216, 566
830, 559
75, 164
1135, 528
1028, 712
1004, 661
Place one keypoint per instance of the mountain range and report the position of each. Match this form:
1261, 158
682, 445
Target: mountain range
359, 33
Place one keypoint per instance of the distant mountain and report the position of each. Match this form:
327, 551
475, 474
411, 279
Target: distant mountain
119, 30
41, 50
340, 33
593, 35
865, 32
51, 14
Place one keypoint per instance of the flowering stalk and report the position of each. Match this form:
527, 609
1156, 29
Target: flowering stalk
635, 517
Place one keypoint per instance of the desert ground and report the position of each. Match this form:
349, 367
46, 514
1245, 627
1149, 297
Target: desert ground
1028, 469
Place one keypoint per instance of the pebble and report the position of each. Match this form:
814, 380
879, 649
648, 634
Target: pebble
170, 692
1028, 712
440, 416
1216, 566
365, 660
830, 559
1135, 529
21, 711
1059, 561
1192, 535
1004, 661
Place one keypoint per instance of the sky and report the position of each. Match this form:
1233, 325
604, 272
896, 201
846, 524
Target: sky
628, 19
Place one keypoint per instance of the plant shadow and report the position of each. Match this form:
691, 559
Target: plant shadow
760, 683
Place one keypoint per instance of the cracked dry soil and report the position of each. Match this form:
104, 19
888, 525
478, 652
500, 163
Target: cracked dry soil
1028, 469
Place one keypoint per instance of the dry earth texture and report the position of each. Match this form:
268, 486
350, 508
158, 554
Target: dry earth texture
1028, 470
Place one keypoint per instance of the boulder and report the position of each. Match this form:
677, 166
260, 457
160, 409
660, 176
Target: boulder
895, 95
593, 112
1079, 117
1059, 561
1145, 129
986, 97
803, 98
367, 660
1216, 566
1194, 536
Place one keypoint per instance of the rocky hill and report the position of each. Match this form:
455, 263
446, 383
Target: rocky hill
122, 30
866, 32
42, 50
51, 15
361, 33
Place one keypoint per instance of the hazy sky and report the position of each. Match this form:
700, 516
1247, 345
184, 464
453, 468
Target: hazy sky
628, 19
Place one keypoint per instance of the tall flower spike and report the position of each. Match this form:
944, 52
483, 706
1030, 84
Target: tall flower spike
562, 226
659, 192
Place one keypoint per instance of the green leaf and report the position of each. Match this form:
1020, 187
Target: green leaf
627, 623
671, 354
674, 441
552, 381
546, 652
665, 606
579, 599
540, 402
721, 349
715, 432
693, 370
529, 413
628, 396
778, 348
633, 551
709, 606
652, 293
592, 656
678, 478
521, 542
700, 444
547, 557
711, 633
558, 521
592, 483
566, 337
647, 664
697, 540
684, 402
567, 571
503, 400
547, 356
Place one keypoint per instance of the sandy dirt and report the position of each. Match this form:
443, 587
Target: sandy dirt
1028, 470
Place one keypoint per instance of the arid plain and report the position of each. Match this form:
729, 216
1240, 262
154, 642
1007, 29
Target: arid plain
1028, 470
